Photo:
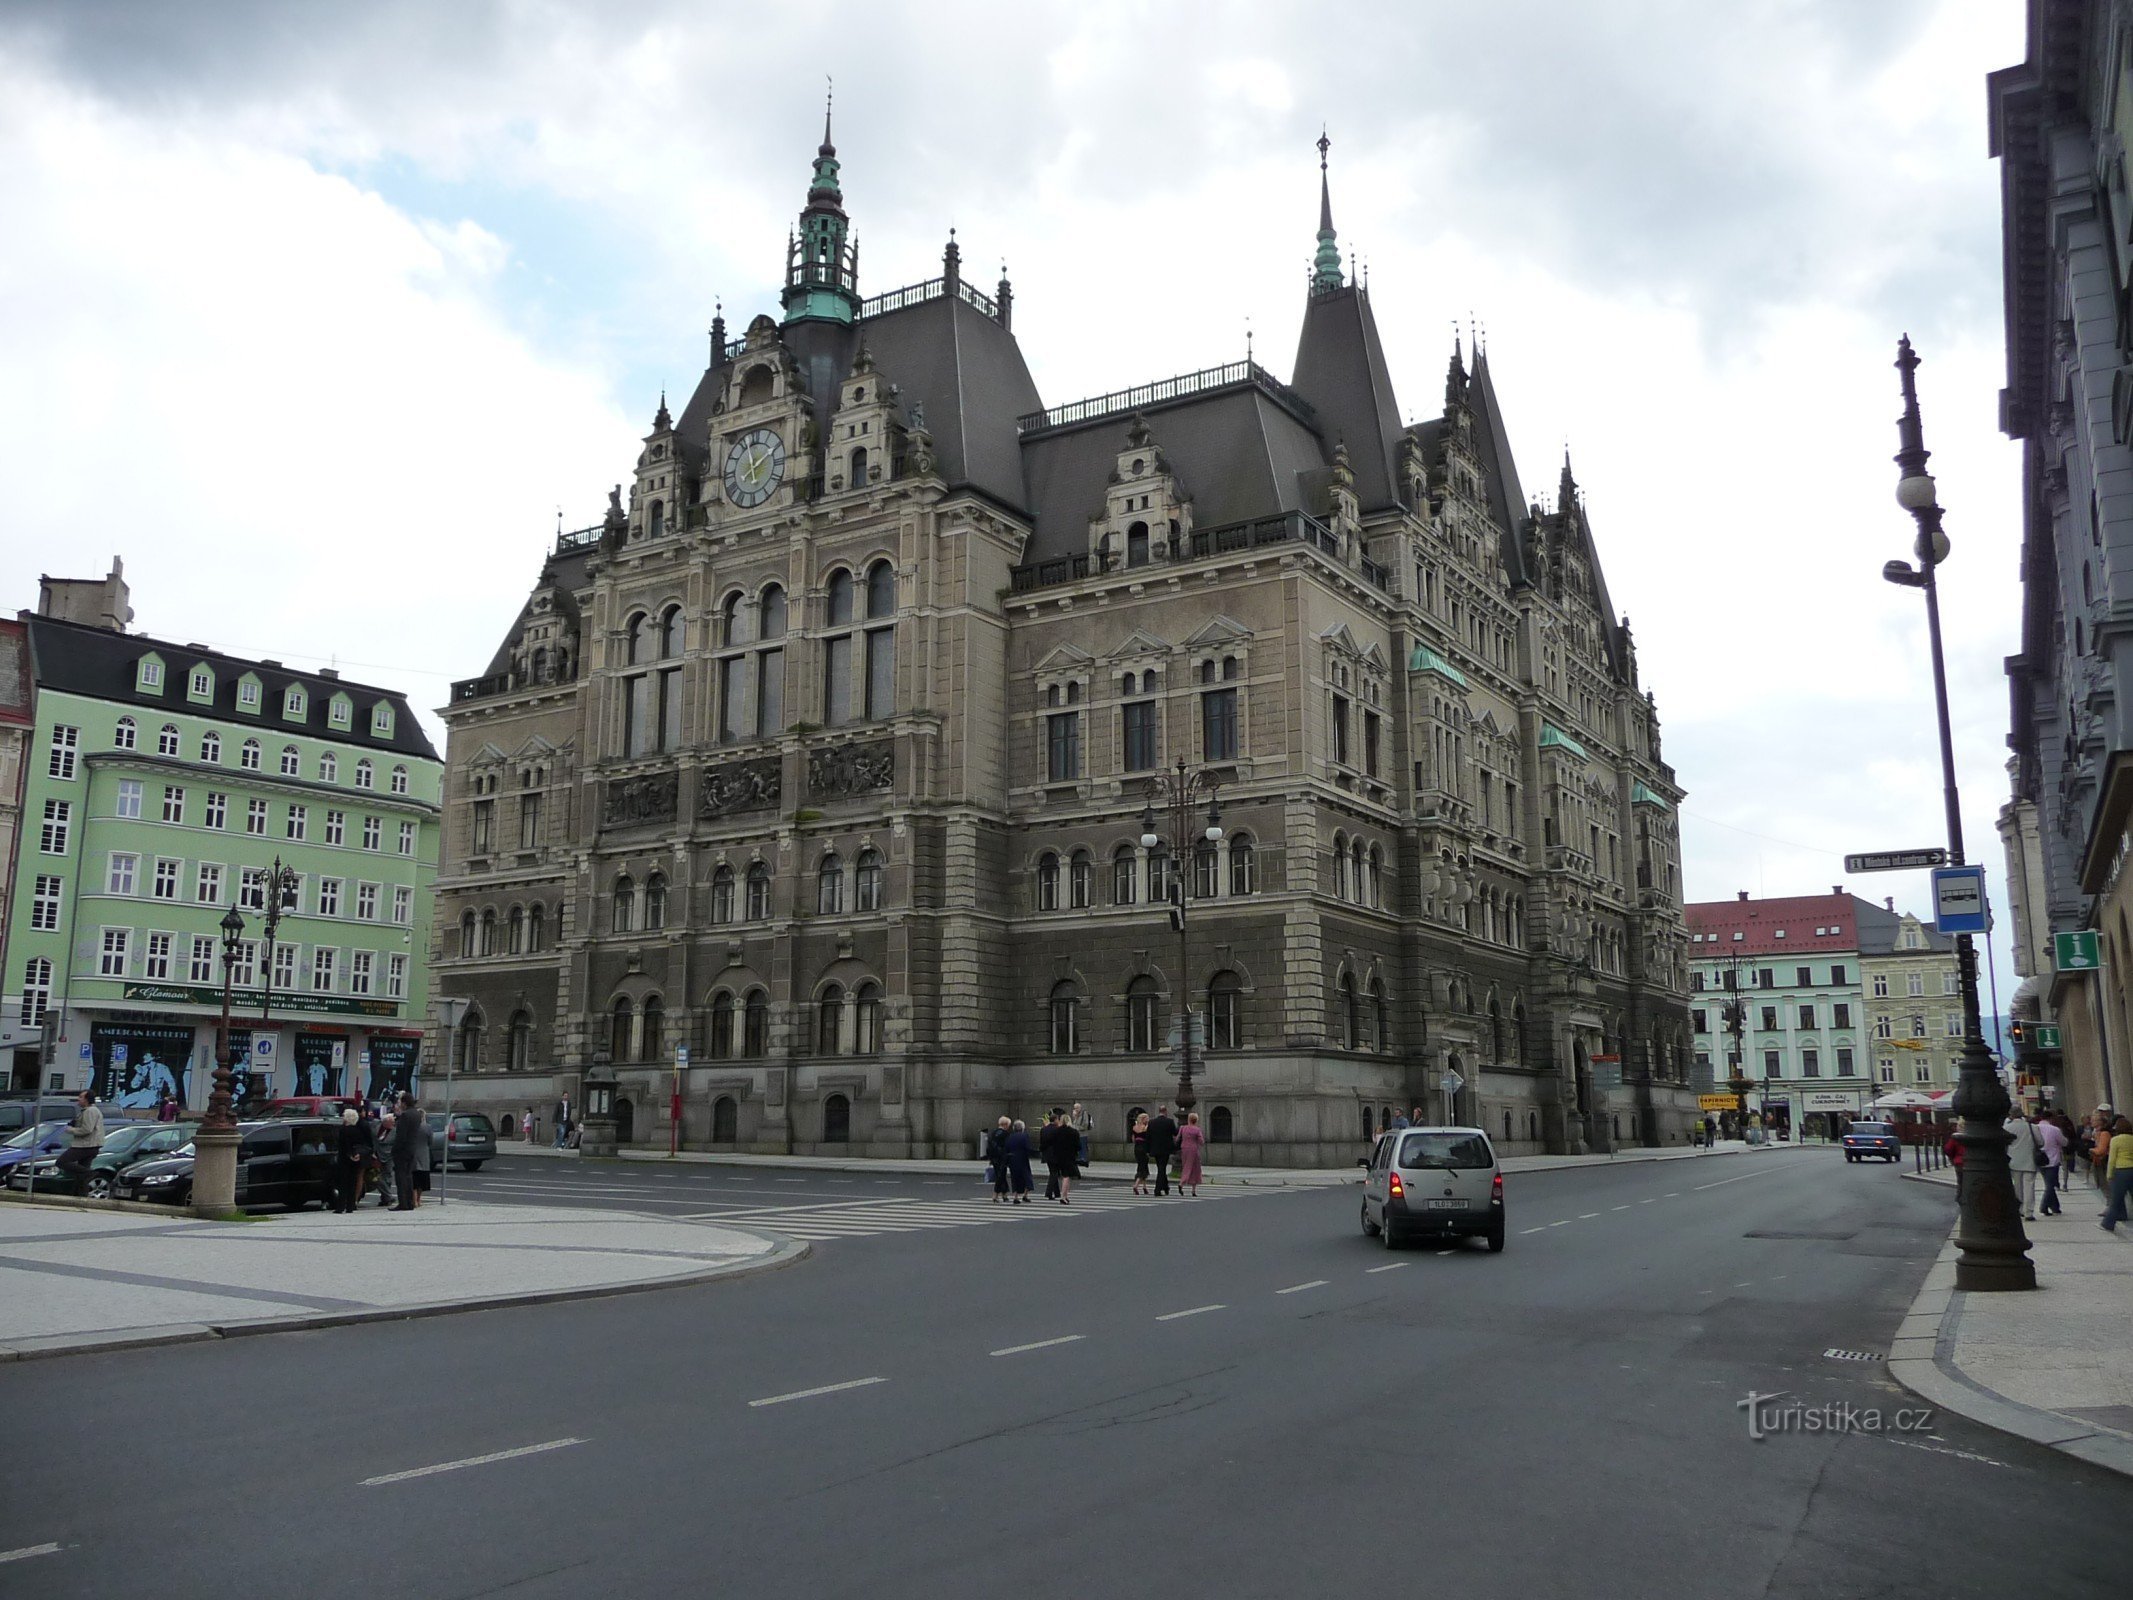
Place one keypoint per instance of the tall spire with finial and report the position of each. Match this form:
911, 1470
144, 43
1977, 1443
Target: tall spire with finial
1326, 268
821, 264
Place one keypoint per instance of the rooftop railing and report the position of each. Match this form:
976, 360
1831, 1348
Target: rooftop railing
1181, 387
1294, 527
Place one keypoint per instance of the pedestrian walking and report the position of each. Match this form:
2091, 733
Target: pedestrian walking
1048, 1152
2118, 1169
1017, 1153
526, 1127
409, 1129
1066, 1152
425, 1155
1140, 1152
167, 1107
2069, 1136
562, 1121
351, 1160
1082, 1127
996, 1159
1952, 1148
85, 1136
2022, 1161
1162, 1140
2051, 1150
381, 1159
1190, 1141
1400, 1119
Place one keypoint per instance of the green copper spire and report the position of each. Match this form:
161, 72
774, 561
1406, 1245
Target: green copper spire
821, 264
1326, 269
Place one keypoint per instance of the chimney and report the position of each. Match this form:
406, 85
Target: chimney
1890, 902
91, 602
1744, 894
329, 672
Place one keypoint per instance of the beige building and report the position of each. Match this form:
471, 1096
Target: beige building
824, 758
1914, 1004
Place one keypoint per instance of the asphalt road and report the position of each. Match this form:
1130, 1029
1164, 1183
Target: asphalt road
1240, 1397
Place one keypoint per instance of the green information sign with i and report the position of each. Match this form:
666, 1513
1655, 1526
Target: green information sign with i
2075, 952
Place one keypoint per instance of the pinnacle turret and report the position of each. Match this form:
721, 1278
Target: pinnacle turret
1326, 266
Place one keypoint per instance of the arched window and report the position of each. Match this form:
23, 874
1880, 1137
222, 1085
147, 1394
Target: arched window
1144, 1030
733, 620
638, 639
881, 591
1358, 863
722, 1025
1376, 896
858, 476
248, 755
867, 876
656, 522
1507, 1124
1065, 1018
829, 1020
470, 1031
1380, 1017
836, 1120
1225, 1012
725, 1120
362, 773
469, 944
620, 1030
755, 1024
722, 894
1161, 872
1243, 865
329, 767
866, 1019
536, 929
399, 783
757, 387
211, 747
671, 630
515, 934
1125, 875
1496, 1029
771, 613
839, 597
625, 911
1533, 1125
1369, 1122
1340, 866
1048, 882
655, 901
1351, 1019
1206, 870
1221, 1125
167, 740
122, 736
1137, 545
488, 933
1081, 880
829, 885
521, 1057
292, 764
758, 891
654, 1033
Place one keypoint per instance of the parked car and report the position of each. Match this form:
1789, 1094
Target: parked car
1863, 1139
279, 1163
310, 1105
1433, 1182
30, 1144
19, 1112
123, 1145
471, 1139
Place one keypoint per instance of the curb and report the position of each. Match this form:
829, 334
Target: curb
786, 1253
1920, 1360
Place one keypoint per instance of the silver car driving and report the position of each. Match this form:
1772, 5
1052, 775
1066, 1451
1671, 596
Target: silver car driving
1433, 1183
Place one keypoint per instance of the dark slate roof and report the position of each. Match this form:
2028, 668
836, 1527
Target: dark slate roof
1499, 471
1879, 928
73, 658
564, 573
1236, 453
1340, 369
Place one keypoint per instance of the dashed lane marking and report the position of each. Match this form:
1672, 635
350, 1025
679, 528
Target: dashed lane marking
1563, 1224
1040, 1344
1542, 1229
1743, 1178
1393, 1266
1621, 1208
1172, 1316
1298, 1288
27, 1551
809, 1394
470, 1461
1587, 1216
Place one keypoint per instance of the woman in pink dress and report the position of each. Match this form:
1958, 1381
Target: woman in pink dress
1190, 1139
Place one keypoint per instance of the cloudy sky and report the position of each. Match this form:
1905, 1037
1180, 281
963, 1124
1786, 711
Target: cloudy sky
317, 314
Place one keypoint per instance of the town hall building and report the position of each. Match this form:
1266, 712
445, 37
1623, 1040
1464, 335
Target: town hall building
824, 759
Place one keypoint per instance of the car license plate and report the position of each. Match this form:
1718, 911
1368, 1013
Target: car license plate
1446, 1205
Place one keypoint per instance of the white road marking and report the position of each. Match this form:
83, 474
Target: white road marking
1647, 1200
1587, 1216
1673, 1194
1298, 1288
29, 1550
1444, 1252
1940, 1450
809, 1394
1041, 1344
1765, 1172
1521, 1230
792, 1180
1563, 1224
1743, 1285
471, 1461
1172, 1316
1394, 1266
1621, 1208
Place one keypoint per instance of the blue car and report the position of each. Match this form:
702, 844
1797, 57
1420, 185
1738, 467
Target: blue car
31, 1143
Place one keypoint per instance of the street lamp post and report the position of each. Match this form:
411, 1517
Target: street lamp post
1176, 793
1736, 1016
279, 896
1992, 1251
453, 1010
215, 1142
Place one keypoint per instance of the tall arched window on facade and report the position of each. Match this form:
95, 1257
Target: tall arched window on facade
470, 1029
655, 901
755, 1024
1081, 880
1206, 870
880, 688
1125, 875
622, 1027
837, 706
758, 892
858, 476
829, 885
1380, 1016
624, 916
829, 1020
1065, 1018
1351, 1019
722, 1025
515, 934
469, 940
1243, 865
1144, 1029
536, 928
1225, 1012
867, 877
1048, 882
1340, 867
722, 894
521, 1058
1137, 545
866, 1019
656, 522
1376, 896
770, 662
488, 933
654, 1046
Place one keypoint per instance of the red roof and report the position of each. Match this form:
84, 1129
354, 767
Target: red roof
1772, 927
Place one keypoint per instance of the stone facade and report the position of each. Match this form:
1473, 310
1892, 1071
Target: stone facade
825, 757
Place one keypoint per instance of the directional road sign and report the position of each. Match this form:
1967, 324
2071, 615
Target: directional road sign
1959, 900
1896, 860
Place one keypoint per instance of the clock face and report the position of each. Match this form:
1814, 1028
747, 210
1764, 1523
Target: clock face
754, 467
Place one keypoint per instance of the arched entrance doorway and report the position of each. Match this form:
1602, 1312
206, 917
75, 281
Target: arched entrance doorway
625, 1122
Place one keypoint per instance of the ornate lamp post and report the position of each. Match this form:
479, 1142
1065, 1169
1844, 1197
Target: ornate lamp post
215, 1144
1992, 1251
1736, 1019
1174, 795
280, 897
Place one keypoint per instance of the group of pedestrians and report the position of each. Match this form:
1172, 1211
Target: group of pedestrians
1062, 1146
388, 1146
2044, 1148
1155, 1140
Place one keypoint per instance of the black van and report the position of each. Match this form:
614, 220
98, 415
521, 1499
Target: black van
278, 1164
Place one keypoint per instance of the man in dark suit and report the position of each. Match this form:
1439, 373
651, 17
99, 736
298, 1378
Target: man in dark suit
1162, 1140
1048, 1153
409, 1128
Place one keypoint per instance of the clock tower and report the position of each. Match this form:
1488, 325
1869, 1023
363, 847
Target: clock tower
821, 265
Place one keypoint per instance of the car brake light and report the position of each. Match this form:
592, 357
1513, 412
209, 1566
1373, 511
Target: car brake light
451, 1132
1496, 1187
1398, 1190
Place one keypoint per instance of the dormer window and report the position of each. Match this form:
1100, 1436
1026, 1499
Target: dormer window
148, 677
201, 685
293, 704
248, 693
381, 721
338, 711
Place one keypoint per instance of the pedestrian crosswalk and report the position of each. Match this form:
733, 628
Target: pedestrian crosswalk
858, 1219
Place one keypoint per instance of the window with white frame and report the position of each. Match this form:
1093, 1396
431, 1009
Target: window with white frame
166, 880
201, 685
336, 827
112, 957
407, 838
207, 885
329, 767
366, 902
329, 897
242, 971
403, 904
359, 965
323, 961
36, 991
291, 762
173, 803
218, 810
399, 780
248, 755
58, 825
155, 960
248, 698
292, 703
252, 889
255, 817
123, 737
299, 821
62, 760
211, 748
200, 960
167, 740
373, 833
128, 805
395, 977
122, 876
44, 904
363, 772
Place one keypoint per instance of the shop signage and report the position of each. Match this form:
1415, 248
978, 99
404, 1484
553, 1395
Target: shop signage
184, 994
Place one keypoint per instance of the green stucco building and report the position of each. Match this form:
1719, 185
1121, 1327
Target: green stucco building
164, 784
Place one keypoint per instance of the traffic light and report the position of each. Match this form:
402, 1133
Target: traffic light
2020, 1033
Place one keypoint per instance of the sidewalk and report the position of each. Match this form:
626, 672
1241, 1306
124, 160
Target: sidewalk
1122, 1171
73, 1280
2054, 1366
